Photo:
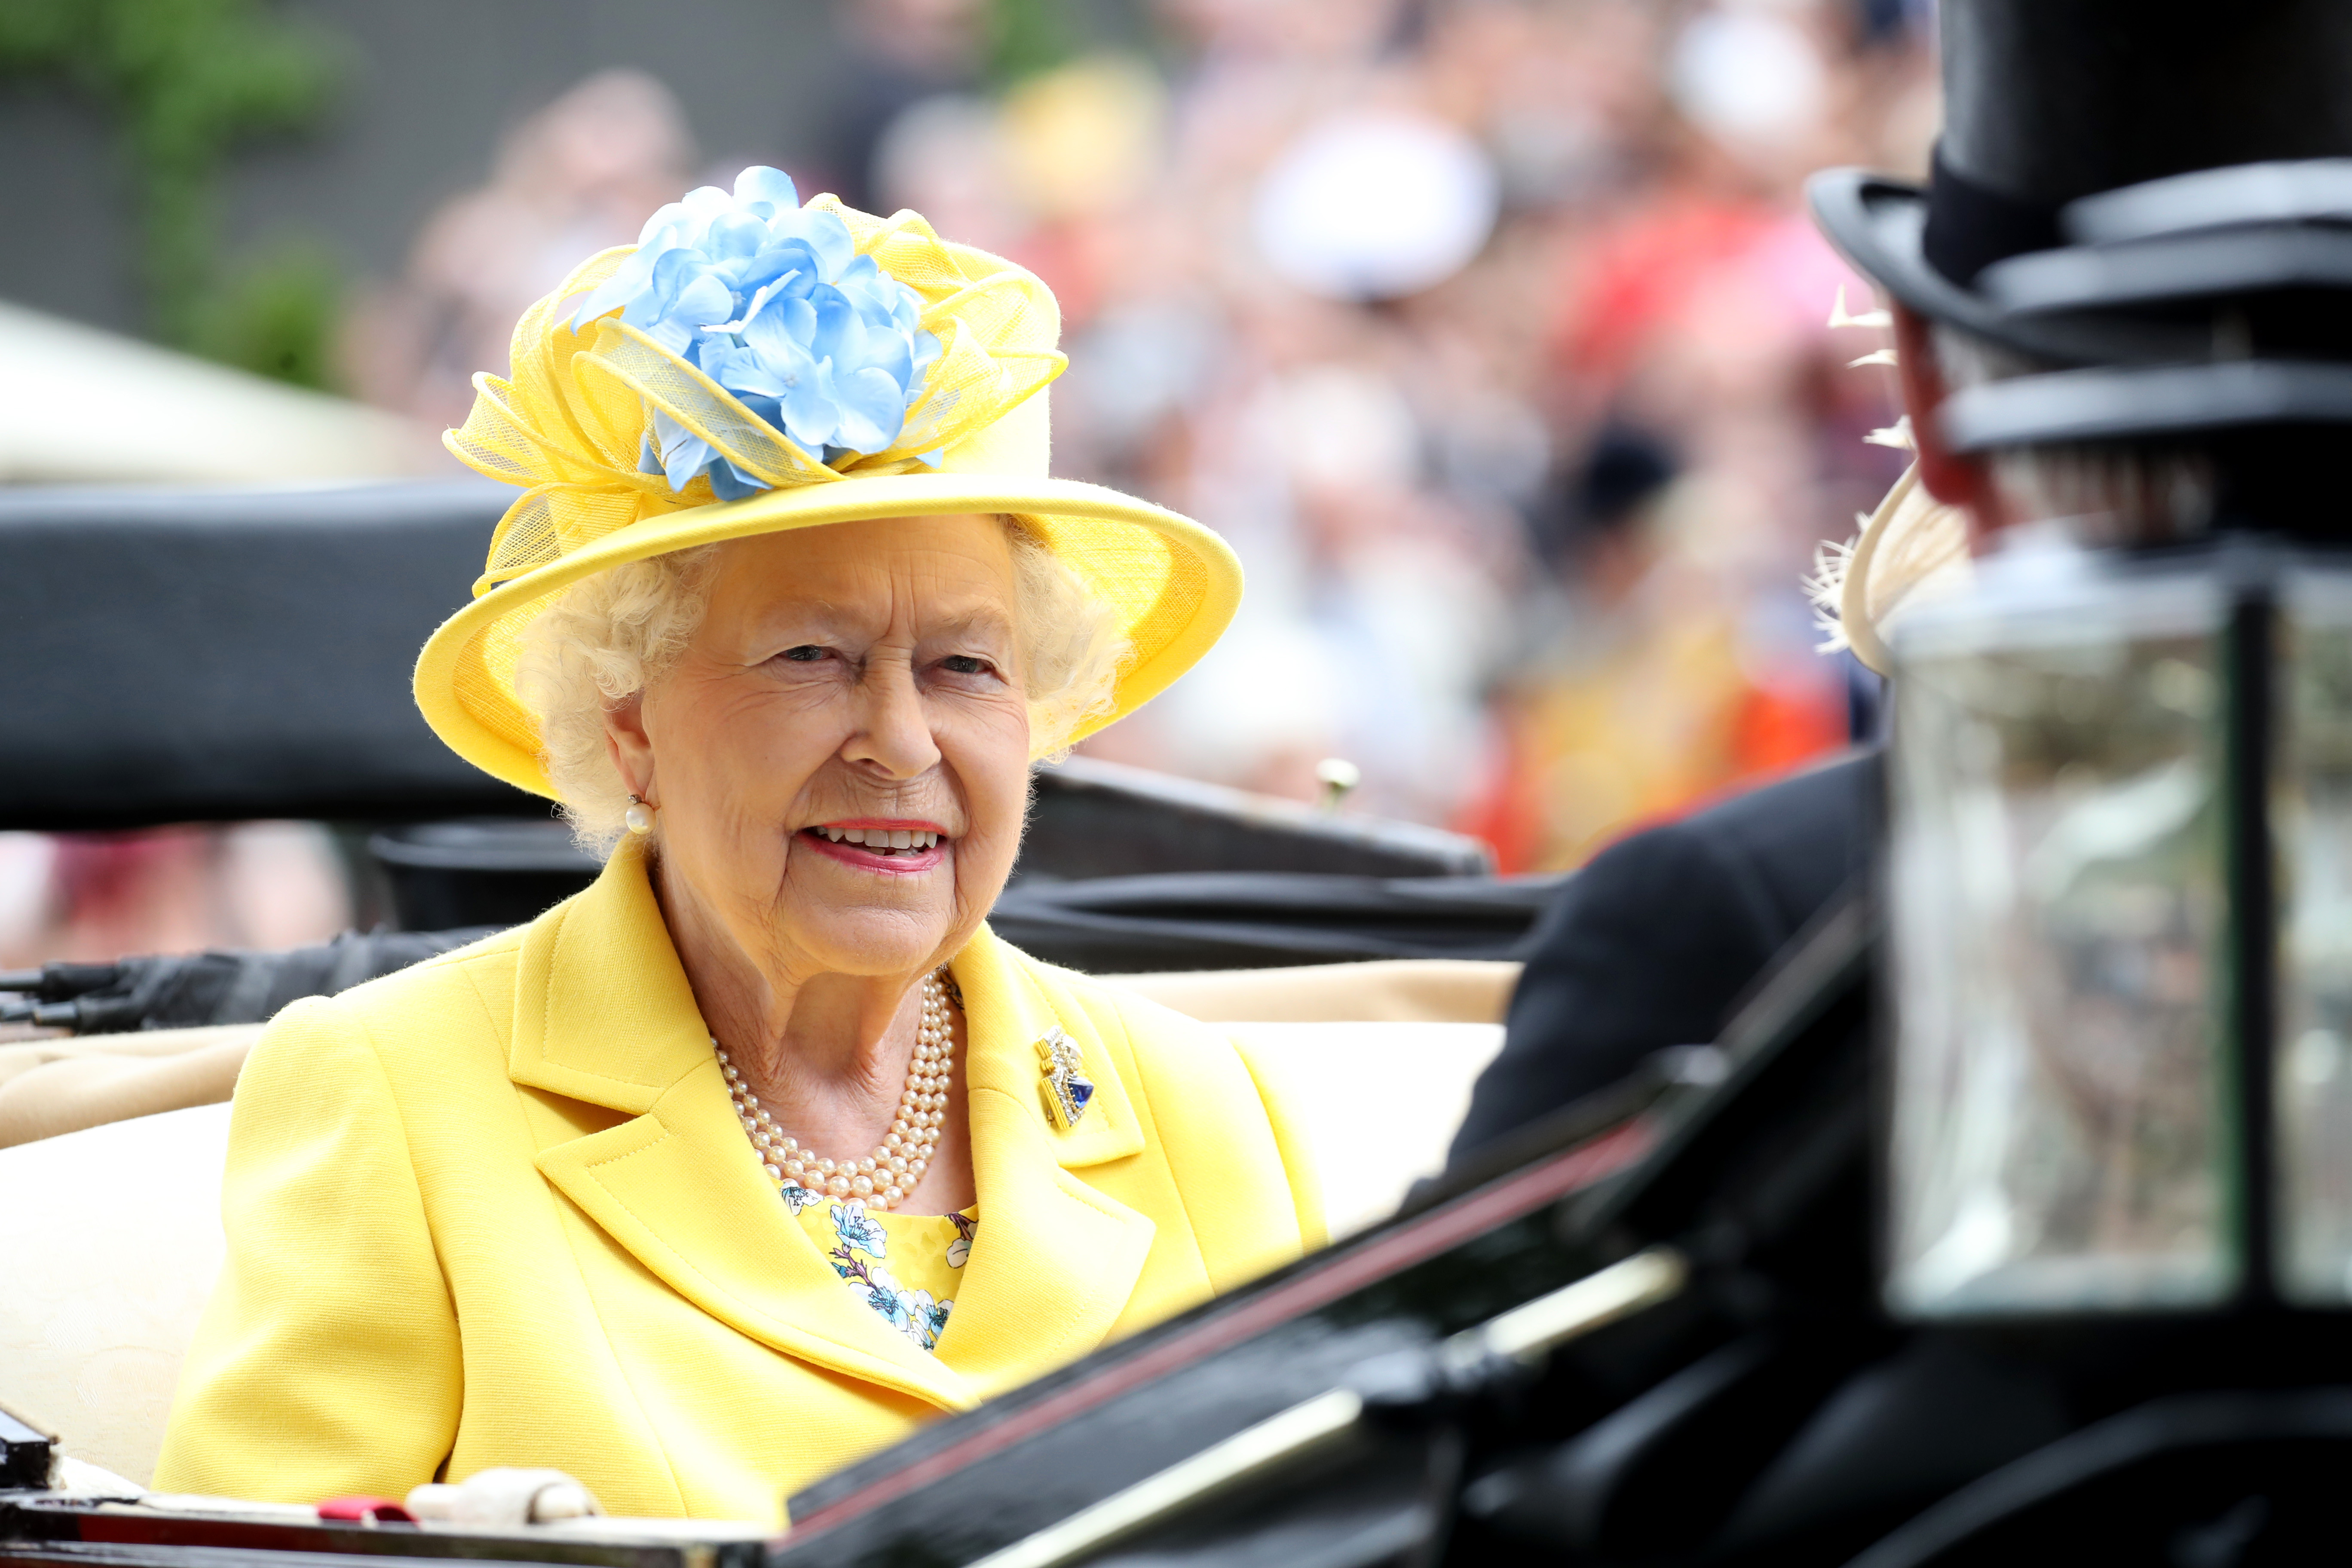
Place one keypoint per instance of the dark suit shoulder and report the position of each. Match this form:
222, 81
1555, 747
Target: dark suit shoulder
1652, 943
1805, 837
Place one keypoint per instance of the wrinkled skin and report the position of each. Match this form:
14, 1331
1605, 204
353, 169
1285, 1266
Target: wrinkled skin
842, 675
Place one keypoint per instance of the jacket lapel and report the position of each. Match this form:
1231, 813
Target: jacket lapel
1053, 1262
679, 1189
603, 1013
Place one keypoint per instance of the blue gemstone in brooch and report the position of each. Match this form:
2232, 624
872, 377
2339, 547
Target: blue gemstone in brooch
1067, 1090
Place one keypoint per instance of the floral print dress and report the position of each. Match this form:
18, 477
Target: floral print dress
904, 1266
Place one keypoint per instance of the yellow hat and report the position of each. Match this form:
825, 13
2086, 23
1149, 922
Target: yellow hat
578, 417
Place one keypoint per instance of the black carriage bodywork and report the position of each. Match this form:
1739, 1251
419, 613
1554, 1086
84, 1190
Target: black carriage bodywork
1736, 1397
1647, 1331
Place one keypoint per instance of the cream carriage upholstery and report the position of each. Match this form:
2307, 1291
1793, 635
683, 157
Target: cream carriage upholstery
111, 1162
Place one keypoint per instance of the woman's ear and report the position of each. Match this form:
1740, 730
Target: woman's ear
631, 748
1951, 478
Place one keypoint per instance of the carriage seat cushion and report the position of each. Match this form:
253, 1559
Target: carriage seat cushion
112, 1237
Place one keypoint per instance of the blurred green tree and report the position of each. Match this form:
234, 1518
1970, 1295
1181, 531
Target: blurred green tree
1025, 37
186, 82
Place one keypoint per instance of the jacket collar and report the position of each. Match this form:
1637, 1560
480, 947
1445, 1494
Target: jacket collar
603, 1013
602, 1010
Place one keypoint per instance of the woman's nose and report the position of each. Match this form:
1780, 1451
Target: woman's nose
896, 734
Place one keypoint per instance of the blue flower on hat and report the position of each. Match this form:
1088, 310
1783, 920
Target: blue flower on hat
770, 300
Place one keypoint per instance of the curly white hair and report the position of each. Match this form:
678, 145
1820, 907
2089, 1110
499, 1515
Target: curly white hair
607, 638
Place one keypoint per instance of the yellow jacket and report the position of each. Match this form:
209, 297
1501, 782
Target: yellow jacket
496, 1210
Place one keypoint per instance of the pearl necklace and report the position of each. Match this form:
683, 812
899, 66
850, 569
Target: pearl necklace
882, 1179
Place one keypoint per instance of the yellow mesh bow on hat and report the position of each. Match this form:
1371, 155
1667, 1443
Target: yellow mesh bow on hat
570, 422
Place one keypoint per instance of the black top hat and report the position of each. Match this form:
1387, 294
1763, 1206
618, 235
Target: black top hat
2157, 192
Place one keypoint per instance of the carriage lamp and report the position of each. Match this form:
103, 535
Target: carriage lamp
2119, 901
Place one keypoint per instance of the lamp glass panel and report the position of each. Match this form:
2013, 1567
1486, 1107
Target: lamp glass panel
2312, 828
2058, 1124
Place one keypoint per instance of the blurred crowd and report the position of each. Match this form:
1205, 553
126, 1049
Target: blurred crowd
1491, 333
1494, 337
89, 898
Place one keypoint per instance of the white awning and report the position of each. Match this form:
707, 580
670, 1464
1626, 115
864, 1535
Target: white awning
82, 405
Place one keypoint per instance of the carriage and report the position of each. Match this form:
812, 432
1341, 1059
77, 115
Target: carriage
1645, 1329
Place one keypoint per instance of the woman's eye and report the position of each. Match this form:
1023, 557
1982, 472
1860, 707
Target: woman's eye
807, 653
963, 664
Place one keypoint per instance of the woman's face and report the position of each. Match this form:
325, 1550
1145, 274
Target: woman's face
856, 682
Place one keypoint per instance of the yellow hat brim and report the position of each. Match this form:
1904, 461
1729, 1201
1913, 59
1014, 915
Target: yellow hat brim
1174, 584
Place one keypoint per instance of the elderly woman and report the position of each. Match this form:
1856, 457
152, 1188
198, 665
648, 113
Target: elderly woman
762, 1151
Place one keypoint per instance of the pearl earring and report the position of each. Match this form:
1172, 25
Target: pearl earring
639, 817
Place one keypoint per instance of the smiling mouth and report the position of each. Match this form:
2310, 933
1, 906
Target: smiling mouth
888, 843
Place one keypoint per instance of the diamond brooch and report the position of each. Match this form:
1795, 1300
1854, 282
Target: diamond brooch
1067, 1089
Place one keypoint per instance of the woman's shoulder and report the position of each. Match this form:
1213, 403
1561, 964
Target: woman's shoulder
1177, 1062
346, 1072
467, 992
1209, 1104
1158, 1028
